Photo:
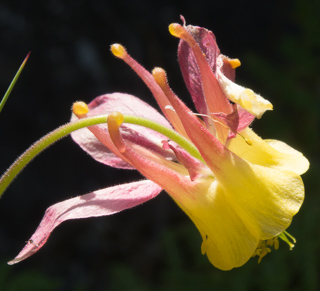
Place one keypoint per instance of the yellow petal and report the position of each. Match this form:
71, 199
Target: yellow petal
269, 153
226, 239
245, 97
244, 204
265, 199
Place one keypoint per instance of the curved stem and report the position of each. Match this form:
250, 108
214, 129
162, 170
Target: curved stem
66, 129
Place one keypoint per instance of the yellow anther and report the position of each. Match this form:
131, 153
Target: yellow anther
248, 141
204, 245
270, 242
118, 117
276, 243
235, 63
160, 76
263, 248
80, 108
176, 29
118, 50
264, 252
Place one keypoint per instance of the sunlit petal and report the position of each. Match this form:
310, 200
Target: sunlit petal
269, 153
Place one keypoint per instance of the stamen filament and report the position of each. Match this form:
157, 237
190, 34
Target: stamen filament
119, 51
66, 129
114, 122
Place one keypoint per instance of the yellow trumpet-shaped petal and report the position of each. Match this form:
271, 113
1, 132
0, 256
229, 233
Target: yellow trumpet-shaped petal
233, 214
227, 241
269, 153
266, 199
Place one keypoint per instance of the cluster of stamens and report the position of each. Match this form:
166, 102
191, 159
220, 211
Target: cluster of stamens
264, 247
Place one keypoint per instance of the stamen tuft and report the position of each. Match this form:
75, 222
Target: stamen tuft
80, 108
160, 77
118, 117
235, 63
118, 50
176, 30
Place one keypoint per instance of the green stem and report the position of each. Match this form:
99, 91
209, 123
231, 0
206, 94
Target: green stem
66, 129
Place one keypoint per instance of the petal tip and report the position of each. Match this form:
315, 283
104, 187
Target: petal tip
12, 262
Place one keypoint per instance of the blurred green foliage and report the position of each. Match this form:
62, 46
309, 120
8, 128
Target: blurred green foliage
27, 280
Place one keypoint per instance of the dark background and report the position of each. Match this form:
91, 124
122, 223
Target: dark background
154, 246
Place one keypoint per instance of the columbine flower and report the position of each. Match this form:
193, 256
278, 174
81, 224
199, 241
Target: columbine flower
240, 191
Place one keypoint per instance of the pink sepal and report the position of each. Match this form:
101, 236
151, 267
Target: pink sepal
237, 121
189, 66
230, 120
245, 118
98, 203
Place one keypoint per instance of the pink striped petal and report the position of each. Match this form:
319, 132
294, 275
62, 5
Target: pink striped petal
127, 105
245, 118
98, 203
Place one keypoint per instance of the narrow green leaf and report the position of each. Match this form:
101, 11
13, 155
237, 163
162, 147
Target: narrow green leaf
13, 82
